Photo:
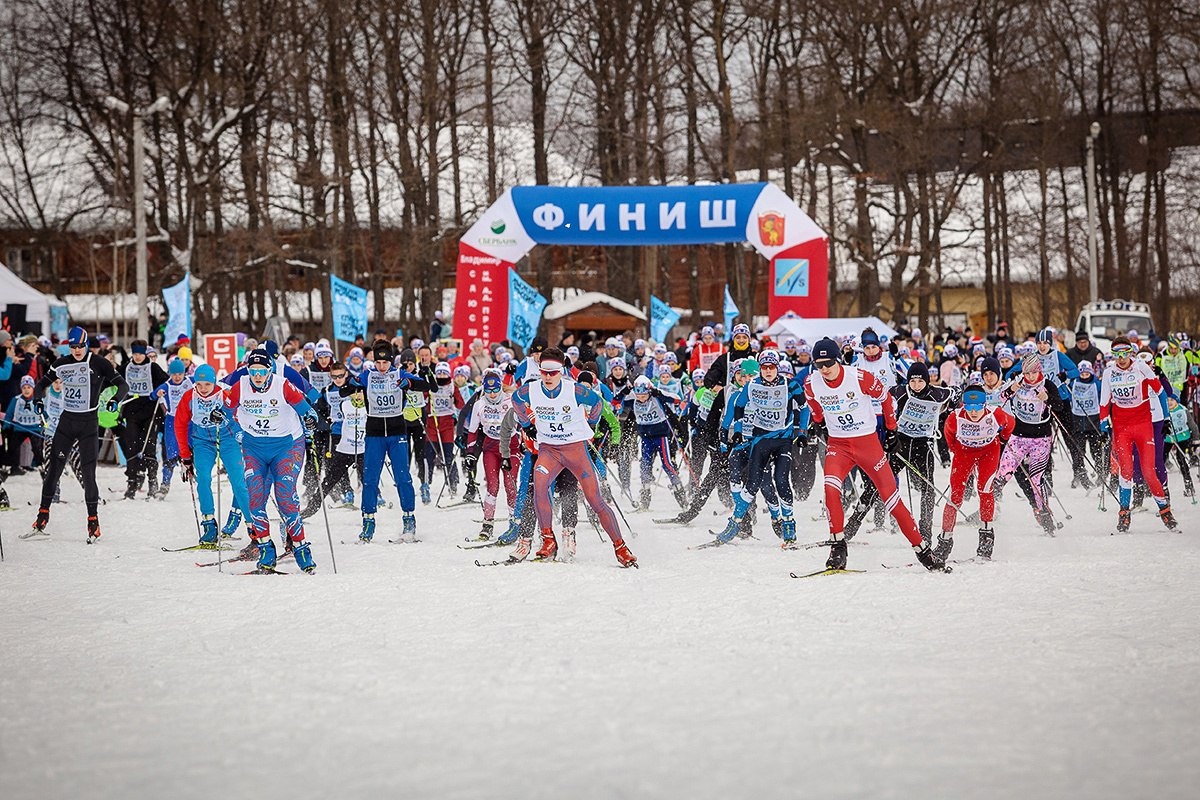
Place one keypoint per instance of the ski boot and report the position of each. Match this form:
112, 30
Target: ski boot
987, 540
4, 504
311, 507
510, 535
231, 524
152, 488
944, 546
39, 525
624, 557
471, 493
929, 559
681, 495
368, 529
208, 533
131, 490
521, 551
789, 532
777, 527
1168, 518
837, 555
1189, 489
304, 559
730, 530
1045, 518
426, 497
486, 532
93, 529
643, 503
266, 555
1139, 496
348, 499
162, 492
249, 552
567, 551
1123, 516
408, 533
549, 546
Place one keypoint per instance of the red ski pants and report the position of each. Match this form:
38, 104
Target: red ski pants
867, 454
966, 461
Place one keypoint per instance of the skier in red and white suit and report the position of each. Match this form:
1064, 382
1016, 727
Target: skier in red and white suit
483, 433
975, 435
1126, 392
841, 398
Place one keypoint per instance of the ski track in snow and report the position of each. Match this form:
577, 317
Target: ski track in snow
1066, 669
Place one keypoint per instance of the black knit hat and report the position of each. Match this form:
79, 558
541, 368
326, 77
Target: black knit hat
826, 350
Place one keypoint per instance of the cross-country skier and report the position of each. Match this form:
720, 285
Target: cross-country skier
23, 423
1034, 404
1127, 390
387, 389
975, 433
140, 416
168, 395
768, 418
84, 376
483, 437
201, 440
560, 413
656, 420
841, 398
269, 410
348, 439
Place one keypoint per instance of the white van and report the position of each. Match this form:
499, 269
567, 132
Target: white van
1104, 320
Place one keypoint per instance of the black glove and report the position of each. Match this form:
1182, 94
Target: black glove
800, 439
945, 463
891, 442
735, 438
310, 423
189, 469
469, 462
506, 464
1062, 376
39, 407
111, 405
818, 430
460, 442
216, 416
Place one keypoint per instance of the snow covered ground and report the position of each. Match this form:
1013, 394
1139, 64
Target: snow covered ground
1069, 668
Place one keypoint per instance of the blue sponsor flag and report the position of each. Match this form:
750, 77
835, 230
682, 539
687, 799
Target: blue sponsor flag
178, 300
731, 310
525, 306
662, 319
349, 309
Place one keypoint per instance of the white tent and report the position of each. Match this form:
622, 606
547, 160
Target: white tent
811, 329
14, 291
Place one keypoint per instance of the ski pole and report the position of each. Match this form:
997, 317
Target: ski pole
217, 467
616, 506
1090, 462
329, 536
941, 492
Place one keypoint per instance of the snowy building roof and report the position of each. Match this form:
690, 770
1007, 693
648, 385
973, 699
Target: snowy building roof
579, 302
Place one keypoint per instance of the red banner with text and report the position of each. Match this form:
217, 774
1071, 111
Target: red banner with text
481, 299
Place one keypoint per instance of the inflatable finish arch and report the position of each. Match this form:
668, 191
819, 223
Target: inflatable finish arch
525, 216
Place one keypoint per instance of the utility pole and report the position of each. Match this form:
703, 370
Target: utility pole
1093, 270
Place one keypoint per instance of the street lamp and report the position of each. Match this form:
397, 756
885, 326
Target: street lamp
139, 200
1093, 273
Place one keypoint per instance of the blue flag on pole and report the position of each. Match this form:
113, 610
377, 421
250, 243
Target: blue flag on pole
662, 319
178, 300
525, 306
349, 309
731, 310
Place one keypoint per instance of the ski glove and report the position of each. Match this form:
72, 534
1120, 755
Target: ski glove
890, 442
189, 469
310, 424
506, 464
111, 405
216, 416
1105, 426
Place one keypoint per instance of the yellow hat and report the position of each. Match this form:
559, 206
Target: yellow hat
185, 353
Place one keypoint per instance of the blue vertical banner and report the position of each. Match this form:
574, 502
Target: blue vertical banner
178, 300
59, 319
525, 306
731, 310
349, 309
662, 319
